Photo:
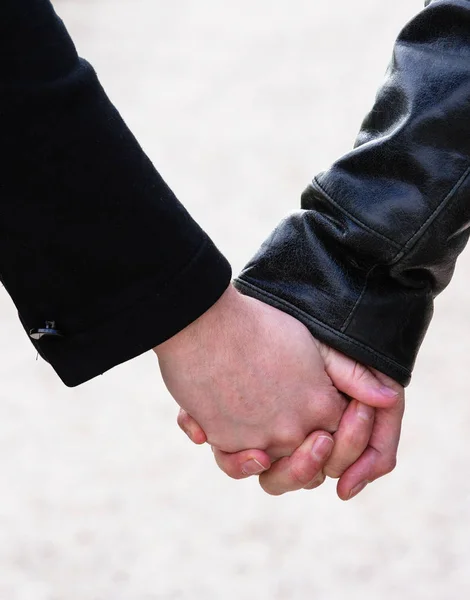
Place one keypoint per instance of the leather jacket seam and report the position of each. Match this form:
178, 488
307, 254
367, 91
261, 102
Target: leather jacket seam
349, 317
295, 310
358, 221
432, 217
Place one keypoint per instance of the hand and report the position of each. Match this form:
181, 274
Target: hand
356, 459
380, 456
354, 463
252, 377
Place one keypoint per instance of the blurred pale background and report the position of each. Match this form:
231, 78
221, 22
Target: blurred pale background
102, 497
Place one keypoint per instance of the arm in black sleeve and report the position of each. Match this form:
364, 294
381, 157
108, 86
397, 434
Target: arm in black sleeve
381, 230
91, 237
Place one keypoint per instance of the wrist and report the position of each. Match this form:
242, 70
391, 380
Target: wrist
196, 334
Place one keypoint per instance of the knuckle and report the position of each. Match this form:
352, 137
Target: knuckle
354, 443
351, 439
182, 419
333, 406
300, 475
387, 466
289, 438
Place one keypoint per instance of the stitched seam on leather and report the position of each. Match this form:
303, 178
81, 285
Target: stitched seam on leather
432, 217
353, 217
308, 317
348, 319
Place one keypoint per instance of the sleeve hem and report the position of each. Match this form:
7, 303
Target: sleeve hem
147, 323
333, 337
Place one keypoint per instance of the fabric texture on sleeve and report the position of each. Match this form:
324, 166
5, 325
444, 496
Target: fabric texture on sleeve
91, 237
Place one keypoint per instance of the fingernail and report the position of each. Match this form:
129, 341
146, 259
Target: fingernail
322, 447
364, 412
316, 482
252, 467
387, 392
358, 488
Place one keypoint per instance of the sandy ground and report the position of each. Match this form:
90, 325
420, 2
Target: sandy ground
102, 498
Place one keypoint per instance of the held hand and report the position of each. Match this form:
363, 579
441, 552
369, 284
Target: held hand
365, 443
380, 455
356, 460
252, 377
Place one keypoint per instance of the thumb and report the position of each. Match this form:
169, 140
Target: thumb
359, 382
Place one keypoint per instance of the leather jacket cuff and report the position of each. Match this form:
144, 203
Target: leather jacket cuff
332, 337
382, 228
364, 314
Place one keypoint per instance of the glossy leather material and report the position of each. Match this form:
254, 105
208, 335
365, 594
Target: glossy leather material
379, 232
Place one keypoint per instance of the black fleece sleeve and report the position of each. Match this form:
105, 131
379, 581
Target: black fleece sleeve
91, 237
381, 230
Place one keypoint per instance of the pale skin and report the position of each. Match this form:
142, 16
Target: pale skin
270, 400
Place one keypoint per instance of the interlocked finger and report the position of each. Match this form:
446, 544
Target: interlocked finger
381, 455
351, 439
302, 469
240, 465
191, 428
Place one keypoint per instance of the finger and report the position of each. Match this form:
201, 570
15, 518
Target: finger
358, 381
191, 427
319, 479
351, 439
240, 465
327, 415
301, 468
379, 458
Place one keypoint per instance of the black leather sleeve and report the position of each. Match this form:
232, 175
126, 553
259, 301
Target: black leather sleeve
92, 240
379, 232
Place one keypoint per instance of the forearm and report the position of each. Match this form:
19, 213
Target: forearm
34, 44
90, 235
382, 228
